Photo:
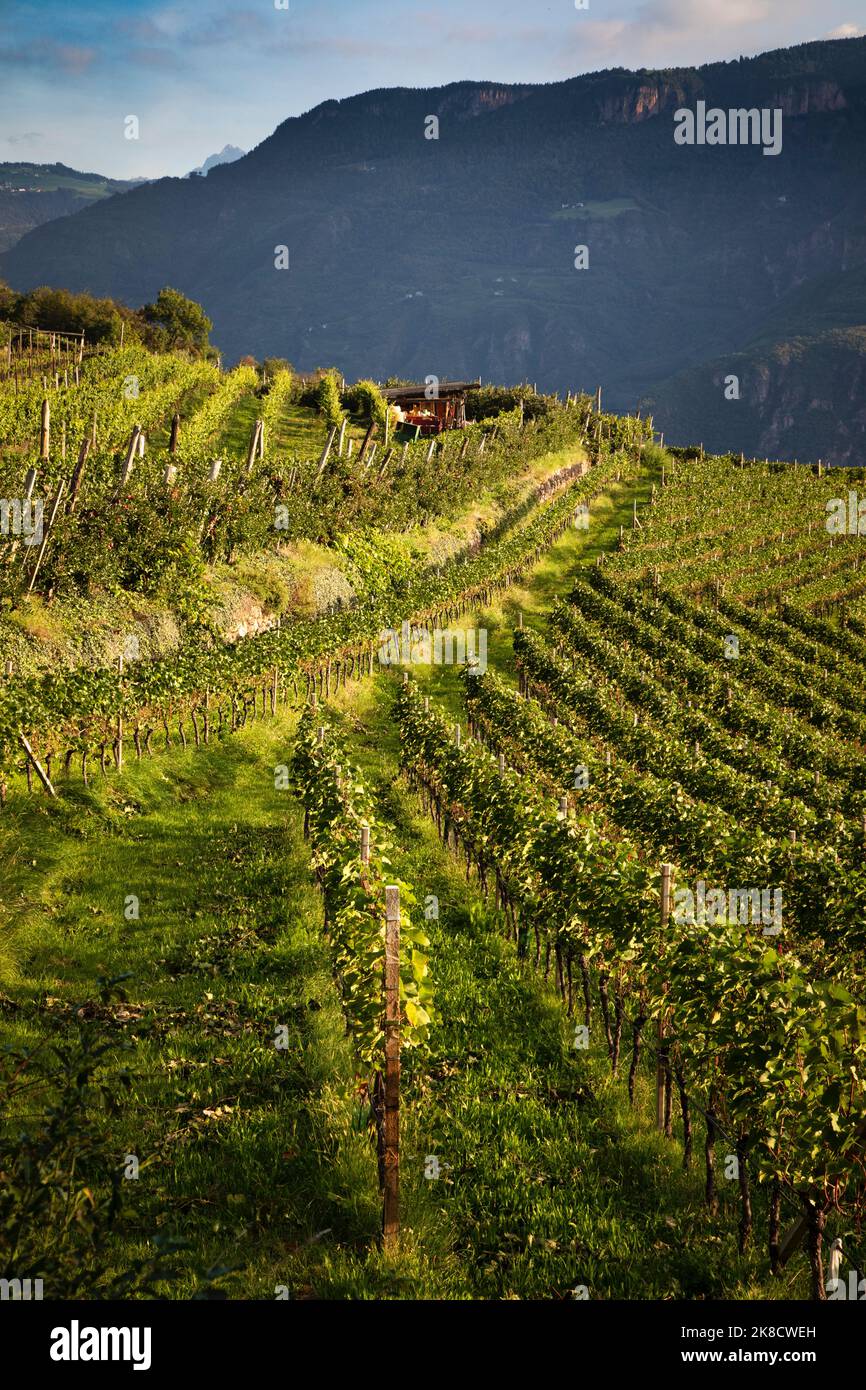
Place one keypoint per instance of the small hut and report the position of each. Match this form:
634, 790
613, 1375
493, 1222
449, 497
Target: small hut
419, 408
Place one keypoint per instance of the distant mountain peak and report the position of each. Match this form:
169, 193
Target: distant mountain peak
227, 155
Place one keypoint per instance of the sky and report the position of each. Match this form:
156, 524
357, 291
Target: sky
200, 74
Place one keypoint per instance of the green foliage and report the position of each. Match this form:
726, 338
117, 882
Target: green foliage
328, 399
271, 366
173, 321
61, 1199
56, 309
487, 402
337, 803
761, 1037
365, 399
77, 709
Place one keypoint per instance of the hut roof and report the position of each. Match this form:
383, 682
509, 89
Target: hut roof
419, 391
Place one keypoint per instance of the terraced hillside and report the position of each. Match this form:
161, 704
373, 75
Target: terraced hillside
627, 840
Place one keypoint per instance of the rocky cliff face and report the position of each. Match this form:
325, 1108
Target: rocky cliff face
804, 399
639, 103
809, 98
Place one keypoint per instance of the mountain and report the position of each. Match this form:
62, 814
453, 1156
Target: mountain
455, 255
31, 194
227, 155
801, 382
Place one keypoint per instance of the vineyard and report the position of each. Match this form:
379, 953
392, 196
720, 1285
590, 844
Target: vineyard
338, 960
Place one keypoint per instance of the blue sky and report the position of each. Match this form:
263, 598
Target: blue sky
200, 74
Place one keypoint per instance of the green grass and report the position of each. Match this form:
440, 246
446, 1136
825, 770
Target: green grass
49, 180
262, 1159
234, 439
300, 432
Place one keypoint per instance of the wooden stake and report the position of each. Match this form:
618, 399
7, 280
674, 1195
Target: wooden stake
660, 1025
175, 431
366, 440
323, 459
391, 1205
252, 451
365, 844
40, 772
49, 524
129, 461
45, 430
119, 753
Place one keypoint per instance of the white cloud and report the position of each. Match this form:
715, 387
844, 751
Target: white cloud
847, 31
665, 33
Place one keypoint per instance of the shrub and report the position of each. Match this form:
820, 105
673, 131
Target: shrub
328, 399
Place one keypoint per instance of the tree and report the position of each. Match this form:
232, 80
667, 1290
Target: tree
60, 310
173, 321
272, 365
8, 301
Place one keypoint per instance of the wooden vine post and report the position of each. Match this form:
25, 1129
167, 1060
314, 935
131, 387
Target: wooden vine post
77, 476
391, 1204
323, 457
40, 771
45, 431
661, 1066
366, 440
253, 450
118, 756
55, 506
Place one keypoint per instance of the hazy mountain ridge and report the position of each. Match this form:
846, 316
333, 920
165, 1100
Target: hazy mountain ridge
32, 194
